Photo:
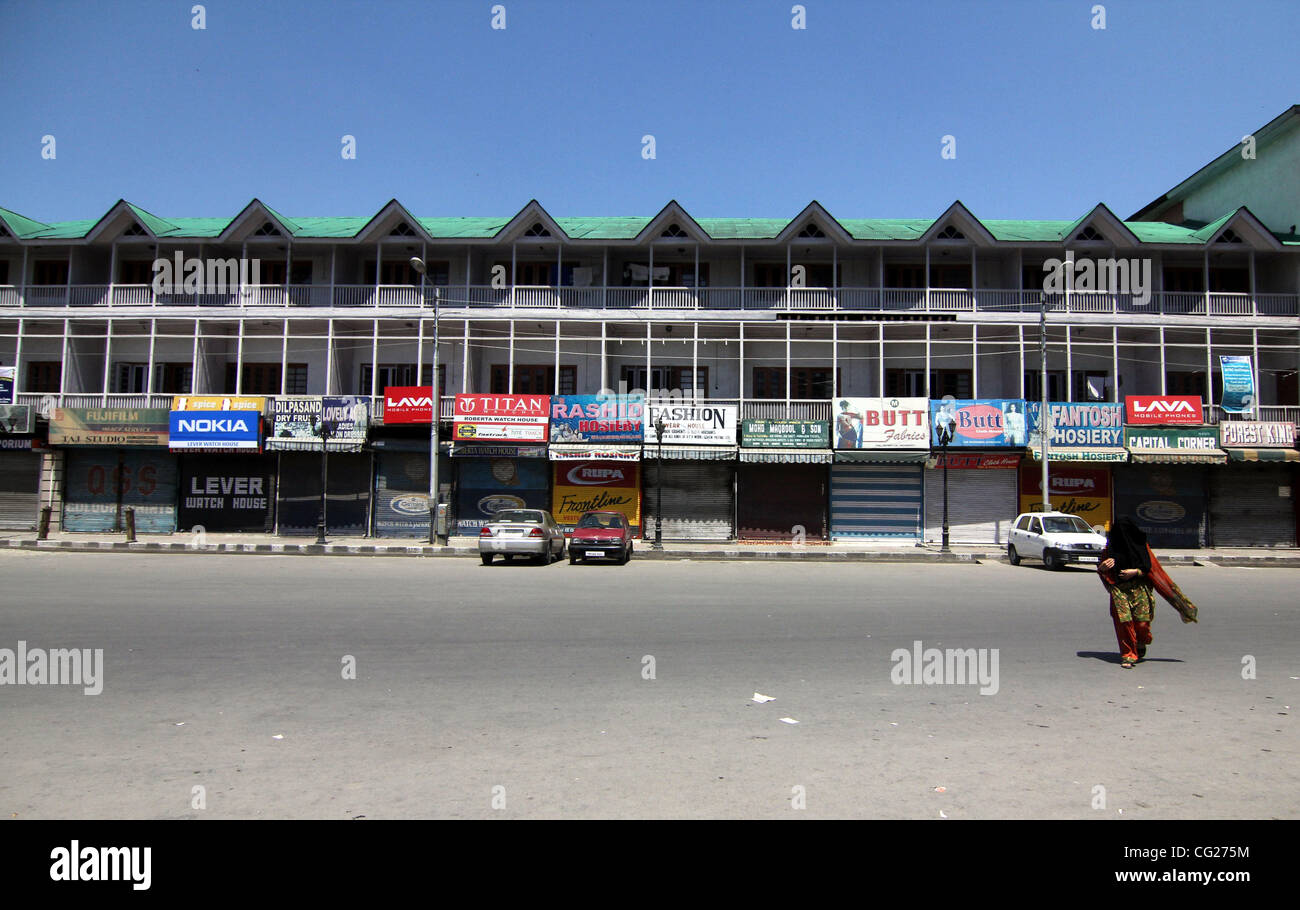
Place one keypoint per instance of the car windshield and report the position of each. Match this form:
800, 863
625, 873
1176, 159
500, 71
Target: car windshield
598, 521
1071, 525
518, 516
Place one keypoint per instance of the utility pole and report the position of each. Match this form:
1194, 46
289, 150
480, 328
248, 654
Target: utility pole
1044, 416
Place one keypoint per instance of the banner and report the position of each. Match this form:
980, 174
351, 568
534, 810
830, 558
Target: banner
1095, 425
1238, 384
1183, 439
109, 427
8, 380
1174, 410
408, 404
984, 422
1081, 491
697, 423
597, 418
501, 418
16, 418
219, 403
298, 421
586, 486
978, 460
881, 423
199, 430
1257, 434
786, 434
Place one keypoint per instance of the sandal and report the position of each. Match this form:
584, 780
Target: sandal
1126, 664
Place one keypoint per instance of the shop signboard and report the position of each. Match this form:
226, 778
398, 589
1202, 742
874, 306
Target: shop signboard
1186, 440
959, 460
784, 433
585, 486
1090, 431
597, 418
693, 423
109, 427
881, 423
207, 430
408, 404
1168, 410
8, 381
219, 403
297, 421
982, 422
1257, 434
16, 418
501, 418
1078, 489
1238, 384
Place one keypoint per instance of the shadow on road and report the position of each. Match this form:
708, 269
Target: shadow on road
1112, 657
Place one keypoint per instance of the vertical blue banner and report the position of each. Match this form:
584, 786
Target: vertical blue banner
1238, 384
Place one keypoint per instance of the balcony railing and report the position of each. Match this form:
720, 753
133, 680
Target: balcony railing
527, 297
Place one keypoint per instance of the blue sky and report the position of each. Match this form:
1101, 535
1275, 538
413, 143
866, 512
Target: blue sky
750, 116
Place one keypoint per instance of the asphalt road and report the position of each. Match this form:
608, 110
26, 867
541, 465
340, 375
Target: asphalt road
517, 691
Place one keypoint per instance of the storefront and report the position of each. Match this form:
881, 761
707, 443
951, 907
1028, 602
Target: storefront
226, 483
116, 459
1087, 438
876, 489
1165, 488
691, 477
985, 440
500, 456
402, 484
585, 485
1252, 498
308, 432
20, 468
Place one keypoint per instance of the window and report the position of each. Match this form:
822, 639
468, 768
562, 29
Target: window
1090, 235
135, 231
43, 376
1229, 281
666, 380
537, 230
267, 230
805, 382
402, 230
540, 274
173, 378
272, 271
264, 379
48, 273
535, 379
950, 275
667, 274
901, 383
1091, 385
399, 272
1055, 385
673, 230
1023, 523
1185, 280
811, 230
773, 275
904, 275
950, 233
131, 378
401, 374
1229, 236
1035, 526
135, 271
4, 271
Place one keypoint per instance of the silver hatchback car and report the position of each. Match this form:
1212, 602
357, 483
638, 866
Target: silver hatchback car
521, 532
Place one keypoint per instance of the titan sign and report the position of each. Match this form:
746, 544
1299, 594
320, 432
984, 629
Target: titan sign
502, 418
1152, 410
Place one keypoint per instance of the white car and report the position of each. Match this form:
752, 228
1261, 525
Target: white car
521, 532
1057, 538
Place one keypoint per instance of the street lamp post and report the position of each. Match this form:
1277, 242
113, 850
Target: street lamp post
659, 483
944, 437
324, 479
435, 412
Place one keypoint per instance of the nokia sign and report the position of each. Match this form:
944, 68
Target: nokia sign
1151, 410
192, 430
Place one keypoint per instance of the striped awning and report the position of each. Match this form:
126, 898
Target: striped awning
786, 456
881, 456
1080, 454
1264, 454
579, 452
1177, 456
691, 453
313, 445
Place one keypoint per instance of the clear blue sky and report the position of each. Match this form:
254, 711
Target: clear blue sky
750, 116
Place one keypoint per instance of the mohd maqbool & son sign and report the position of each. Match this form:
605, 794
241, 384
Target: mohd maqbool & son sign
501, 418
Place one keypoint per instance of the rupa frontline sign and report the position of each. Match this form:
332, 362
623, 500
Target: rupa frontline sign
501, 418
1154, 410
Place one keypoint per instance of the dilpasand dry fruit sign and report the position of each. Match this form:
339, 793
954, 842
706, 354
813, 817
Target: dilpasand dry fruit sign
501, 418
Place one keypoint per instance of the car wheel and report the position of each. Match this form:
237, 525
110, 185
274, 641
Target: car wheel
487, 558
1012, 556
1052, 560
573, 559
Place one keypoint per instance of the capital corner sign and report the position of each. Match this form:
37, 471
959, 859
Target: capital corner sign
501, 418
1170, 410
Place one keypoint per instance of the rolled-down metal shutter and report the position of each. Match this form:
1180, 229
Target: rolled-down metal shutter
348, 505
402, 494
981, 505
227, 493
698, 499
775, 501
94, 500
1247, 508
20, 484
1168, 501
876, 500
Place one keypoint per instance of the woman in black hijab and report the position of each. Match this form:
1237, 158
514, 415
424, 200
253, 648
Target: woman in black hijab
1125, 569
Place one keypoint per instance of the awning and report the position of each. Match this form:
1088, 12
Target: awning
483, 450
313, 445
787, 456
1176, 456
572, 452
1264, 454
882, 456
388, 444
692, 453
1080, 454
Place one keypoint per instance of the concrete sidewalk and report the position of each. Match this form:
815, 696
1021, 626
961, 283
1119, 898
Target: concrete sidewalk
467, 547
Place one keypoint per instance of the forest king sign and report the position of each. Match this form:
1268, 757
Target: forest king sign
1152, 410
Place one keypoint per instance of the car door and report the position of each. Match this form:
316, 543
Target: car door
1034, 538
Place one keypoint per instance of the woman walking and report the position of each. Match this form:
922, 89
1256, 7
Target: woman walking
1132, 575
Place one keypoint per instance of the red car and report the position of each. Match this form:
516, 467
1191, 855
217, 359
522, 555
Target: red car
601, 535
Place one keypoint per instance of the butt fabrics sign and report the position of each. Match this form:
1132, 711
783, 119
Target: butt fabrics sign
199, 430
1082, 491
408, 404
588, 485
986, 422
693, 423
1169, 410
881, 423
502, 418
597, 418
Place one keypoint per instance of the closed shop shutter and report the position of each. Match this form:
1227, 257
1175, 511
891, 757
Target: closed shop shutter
402, 493
876, 500
981, 505
227, 493
348, 506
698, 499
774, 500
1167, 501
1246, 508
484, 486
20, 484
102, 483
